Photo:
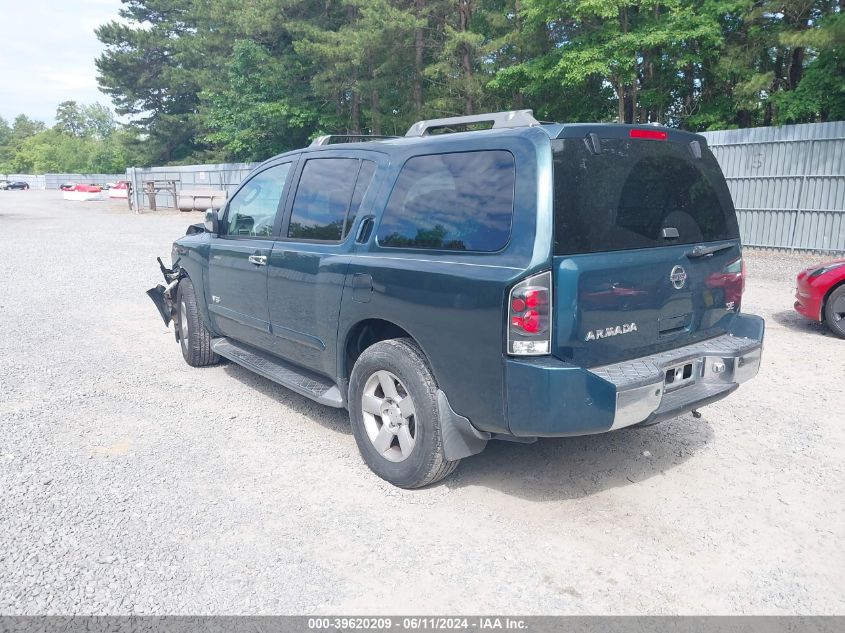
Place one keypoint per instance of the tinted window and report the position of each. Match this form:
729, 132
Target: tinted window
365, 177
461, 201
252, 210
623, 197
327, 197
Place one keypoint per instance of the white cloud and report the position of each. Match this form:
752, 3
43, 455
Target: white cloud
68, 82
47, 52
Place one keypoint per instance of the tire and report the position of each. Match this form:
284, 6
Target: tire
399, 362
194, 338
834, 311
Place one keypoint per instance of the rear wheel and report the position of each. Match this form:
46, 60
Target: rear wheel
395, 417
194, 338
834, 311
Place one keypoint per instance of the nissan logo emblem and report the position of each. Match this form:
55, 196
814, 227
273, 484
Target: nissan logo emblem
678, 277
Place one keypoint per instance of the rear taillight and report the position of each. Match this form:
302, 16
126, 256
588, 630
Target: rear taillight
734, 283
530, 316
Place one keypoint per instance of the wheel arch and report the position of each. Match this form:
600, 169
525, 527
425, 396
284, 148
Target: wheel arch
199, 293
195, 267
365, 333
827, 294
459, 438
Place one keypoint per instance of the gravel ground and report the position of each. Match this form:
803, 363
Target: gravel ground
132, 483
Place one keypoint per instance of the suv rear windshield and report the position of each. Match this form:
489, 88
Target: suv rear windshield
624, 197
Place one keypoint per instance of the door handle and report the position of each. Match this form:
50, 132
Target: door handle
258, 260
364, 229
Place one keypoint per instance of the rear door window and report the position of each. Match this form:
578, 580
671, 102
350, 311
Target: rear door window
636, 194
365, 178
459, 201
327, 198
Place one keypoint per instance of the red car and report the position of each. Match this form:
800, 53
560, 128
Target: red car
821, 295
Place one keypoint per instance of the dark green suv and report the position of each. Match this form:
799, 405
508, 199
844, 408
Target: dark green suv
451, 287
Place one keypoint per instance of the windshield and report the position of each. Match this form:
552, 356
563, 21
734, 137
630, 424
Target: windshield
637, 194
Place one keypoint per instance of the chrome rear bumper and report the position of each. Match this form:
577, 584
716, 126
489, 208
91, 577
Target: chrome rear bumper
669, 383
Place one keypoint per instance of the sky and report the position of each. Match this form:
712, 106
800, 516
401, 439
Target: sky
47, 52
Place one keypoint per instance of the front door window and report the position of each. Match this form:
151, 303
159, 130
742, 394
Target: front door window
252, 210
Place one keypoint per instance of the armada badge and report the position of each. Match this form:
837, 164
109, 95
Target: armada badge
678, 277
627, 328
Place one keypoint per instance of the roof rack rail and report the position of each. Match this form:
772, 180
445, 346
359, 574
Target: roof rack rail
330, 139
514, 118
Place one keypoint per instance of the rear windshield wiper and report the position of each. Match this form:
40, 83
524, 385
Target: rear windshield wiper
704, 251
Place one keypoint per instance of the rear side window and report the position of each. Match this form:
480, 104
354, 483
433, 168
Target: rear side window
460, 201
327, 198
625, 196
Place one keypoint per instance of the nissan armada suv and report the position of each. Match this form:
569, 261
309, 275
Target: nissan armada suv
455, 285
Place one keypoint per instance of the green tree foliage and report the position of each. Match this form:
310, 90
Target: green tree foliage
85, 138
99, 121
153, 69
820, 93
244, 79
5, 140
255, 116
356, 66
94, 120
69, 118
13, 138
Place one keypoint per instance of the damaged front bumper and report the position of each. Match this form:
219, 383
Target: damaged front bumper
163, 294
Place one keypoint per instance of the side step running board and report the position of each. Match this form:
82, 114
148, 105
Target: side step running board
286, 374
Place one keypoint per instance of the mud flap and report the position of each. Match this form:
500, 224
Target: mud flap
460, 437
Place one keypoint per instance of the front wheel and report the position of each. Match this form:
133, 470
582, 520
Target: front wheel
395, 417
834, 312
194, 338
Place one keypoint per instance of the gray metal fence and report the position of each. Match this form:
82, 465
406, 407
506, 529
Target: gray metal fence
787, 183
219, 177
54, 181
34, 181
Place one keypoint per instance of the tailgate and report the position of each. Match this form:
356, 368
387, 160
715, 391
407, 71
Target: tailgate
612, 307
647, 251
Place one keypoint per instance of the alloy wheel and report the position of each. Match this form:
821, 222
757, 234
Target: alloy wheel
838, 312
389, 416
183, 324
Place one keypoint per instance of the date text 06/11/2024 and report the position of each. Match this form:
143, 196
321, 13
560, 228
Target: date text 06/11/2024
417, 623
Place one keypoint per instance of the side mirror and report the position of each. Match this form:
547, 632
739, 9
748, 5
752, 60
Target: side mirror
212, 221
